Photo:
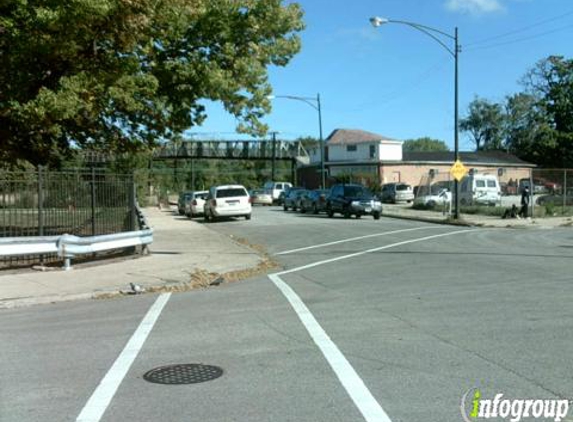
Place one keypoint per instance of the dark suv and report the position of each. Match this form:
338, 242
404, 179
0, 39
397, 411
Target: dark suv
353, 199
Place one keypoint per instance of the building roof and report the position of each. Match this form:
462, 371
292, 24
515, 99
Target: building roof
468, 158
354, 136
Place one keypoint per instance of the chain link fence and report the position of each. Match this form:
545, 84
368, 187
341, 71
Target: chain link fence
495, 191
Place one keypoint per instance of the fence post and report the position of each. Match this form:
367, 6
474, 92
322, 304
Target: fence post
93, 202
40, 207
40, 202
564, 190
132, 201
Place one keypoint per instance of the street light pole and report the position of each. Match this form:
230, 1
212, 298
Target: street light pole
311, 102
434, 34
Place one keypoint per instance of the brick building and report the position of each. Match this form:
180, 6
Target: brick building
358, 154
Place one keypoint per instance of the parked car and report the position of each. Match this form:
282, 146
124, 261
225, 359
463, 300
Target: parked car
276, 188
350, 199
195, 205
397, 192
184, 197
538, 186
261, 197
227, 201
480, 189
293, 198
314, 201
432, 196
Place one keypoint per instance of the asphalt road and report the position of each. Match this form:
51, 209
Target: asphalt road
367, 318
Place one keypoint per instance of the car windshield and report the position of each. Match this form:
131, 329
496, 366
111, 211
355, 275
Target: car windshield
230, 192
356, 191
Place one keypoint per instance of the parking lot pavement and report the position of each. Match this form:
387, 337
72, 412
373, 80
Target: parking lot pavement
413, 315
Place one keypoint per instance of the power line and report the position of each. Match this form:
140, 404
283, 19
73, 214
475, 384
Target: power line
520, 30
541, 34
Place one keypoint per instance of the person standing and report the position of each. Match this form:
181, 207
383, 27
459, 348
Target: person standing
525, 198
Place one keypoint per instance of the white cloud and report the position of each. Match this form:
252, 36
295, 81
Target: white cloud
474, 7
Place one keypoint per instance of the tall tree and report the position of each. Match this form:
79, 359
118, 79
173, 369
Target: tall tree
121, 74
551, 81
424, 144
528, 128
485, 124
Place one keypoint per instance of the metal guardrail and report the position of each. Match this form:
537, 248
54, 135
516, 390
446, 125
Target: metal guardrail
69, 246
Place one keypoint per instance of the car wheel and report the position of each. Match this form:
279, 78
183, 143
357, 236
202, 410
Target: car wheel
346, 213
285, 208
248, 217
358, 216
329, 212
315, 209
376, 215
302, 209
294, 208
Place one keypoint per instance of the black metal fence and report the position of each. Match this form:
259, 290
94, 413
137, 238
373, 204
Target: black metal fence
82, 202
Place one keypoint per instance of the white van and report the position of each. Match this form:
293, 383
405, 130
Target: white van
480, 189
227, 201
276, 188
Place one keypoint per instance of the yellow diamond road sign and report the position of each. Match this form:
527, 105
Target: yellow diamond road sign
458, 170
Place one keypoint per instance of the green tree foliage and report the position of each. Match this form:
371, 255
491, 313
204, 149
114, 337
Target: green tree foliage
551, 81
121, 74
537, 124
528, 128
485, 124
424, 144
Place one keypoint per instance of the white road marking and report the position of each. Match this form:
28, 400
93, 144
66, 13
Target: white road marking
371, 410
353, 239
367, 251
103, 394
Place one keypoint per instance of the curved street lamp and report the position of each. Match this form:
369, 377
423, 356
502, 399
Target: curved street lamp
435, 34
314, 102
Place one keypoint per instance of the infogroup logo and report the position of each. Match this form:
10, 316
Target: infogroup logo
475, 407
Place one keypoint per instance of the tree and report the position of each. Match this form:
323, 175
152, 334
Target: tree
121, 74
551, 82
424, 144
528, 128
485, 123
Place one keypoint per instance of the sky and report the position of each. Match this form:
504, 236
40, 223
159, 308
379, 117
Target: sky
396, 81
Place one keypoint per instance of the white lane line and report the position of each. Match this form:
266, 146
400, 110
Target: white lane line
350, 380
371, 410
367, 251
103, 394
353, 239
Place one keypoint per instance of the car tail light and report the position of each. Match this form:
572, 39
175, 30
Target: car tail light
213, 202
194, 203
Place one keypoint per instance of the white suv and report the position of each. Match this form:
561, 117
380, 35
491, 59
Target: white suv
227, 201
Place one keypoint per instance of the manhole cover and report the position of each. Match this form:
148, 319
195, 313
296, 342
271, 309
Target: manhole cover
189, 373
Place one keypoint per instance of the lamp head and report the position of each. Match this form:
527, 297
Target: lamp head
377, 21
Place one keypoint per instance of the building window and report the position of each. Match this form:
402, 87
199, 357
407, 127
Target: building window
351, 148
372, 151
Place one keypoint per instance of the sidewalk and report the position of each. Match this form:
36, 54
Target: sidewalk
181, 249
407, 212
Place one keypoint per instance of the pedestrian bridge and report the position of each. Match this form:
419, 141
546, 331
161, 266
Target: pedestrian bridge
233, 150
